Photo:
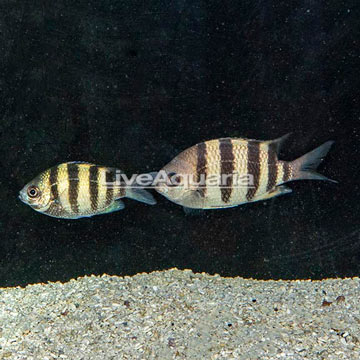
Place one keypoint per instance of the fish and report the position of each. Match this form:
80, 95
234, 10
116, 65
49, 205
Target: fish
254, 162
73, 190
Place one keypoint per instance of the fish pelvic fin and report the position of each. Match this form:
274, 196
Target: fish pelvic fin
304, 168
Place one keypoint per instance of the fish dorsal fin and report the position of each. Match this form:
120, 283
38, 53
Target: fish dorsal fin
108, 168
276, 144
79, 162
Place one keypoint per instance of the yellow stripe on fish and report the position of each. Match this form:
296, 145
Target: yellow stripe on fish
73, 190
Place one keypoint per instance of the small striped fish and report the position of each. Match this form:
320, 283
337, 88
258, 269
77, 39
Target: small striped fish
254, 160
73, 190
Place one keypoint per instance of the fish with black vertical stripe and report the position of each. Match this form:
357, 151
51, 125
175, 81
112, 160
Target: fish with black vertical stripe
76, 189
246, 171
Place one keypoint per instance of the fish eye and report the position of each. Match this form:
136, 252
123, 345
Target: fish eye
33, 191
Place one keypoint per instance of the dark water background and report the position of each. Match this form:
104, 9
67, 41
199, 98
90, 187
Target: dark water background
132, 83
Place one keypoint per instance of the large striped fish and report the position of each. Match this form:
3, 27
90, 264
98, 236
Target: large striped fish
255, 163
73, 190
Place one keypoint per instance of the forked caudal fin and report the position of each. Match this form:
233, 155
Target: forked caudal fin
304, 167
139, 194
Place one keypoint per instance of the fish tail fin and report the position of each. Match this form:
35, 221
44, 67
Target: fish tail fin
136, 190
139, 194
305, 166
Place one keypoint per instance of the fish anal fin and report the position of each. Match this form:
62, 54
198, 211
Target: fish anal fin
115, 206
277, 191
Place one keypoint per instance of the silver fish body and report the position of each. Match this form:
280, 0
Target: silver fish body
255, 163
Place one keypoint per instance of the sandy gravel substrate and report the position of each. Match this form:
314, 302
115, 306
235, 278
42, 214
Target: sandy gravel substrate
181, 315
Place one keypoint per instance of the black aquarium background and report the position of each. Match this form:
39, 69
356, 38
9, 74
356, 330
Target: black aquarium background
132, 83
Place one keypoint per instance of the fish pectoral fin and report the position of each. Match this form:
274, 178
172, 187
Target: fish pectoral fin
56, 201
277, 191
115, 206
200, 197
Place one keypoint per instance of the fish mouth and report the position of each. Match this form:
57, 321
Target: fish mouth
22, 197
162, 189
